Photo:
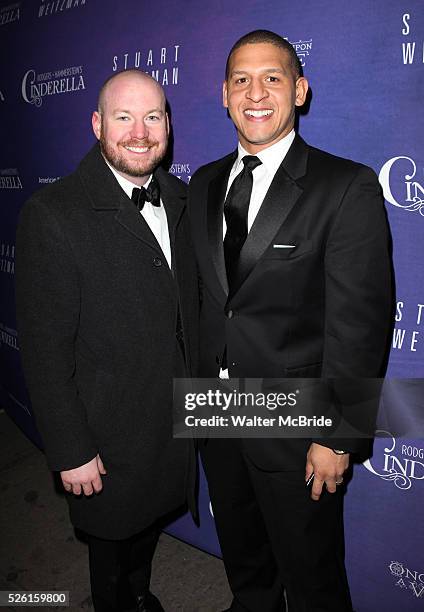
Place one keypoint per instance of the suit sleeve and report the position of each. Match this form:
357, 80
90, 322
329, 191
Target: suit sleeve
359, 302
48, 306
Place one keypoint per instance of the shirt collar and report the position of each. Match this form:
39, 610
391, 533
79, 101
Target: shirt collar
124, 183
272, 156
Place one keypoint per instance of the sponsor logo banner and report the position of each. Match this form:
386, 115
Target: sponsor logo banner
10, 13
35, 87
412, 49
409, 315
181, 171
9, 337
47, 7
7, 258
396, 461
9, 179
162, 63
46, 180
408, 579
401, 187
302, 48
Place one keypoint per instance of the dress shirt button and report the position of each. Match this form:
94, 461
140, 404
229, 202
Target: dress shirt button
157, 261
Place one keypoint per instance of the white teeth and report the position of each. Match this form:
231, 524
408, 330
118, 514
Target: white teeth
138, 149
258, 113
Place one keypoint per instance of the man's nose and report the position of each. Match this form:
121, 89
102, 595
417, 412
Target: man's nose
257, 90
139, 130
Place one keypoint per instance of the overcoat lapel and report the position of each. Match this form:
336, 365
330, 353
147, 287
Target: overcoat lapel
105, 193
281, 197
215, 212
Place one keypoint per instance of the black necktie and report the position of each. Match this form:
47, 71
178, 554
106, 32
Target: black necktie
151, 194
235, 210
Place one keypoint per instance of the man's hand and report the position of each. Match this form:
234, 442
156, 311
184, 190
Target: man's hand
327, 468
84, 479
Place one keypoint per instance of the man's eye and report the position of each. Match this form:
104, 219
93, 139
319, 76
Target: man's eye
241, 80
272, 79
123, 118
152, 118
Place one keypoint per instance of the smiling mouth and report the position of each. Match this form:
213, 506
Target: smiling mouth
137, 149
258, 114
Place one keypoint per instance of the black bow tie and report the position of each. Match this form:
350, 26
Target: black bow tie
151, 194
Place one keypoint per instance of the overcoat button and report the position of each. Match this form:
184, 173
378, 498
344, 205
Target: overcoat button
230, 314
157, 261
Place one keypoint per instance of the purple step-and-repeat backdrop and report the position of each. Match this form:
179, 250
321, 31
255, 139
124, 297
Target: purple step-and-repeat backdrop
364, 61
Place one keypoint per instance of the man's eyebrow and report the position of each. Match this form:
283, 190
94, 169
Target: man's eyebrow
128, 112
262, 70
156, 110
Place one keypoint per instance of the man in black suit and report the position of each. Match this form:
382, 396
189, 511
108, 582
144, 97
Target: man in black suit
292, 246
107, 304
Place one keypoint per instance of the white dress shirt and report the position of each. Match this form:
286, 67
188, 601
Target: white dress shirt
155, 216
271, 158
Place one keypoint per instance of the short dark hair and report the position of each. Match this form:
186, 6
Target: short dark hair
266, 36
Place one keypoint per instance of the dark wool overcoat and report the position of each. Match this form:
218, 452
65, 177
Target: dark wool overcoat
97, 312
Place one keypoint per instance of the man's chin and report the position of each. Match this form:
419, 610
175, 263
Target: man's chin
132, 168
136, 170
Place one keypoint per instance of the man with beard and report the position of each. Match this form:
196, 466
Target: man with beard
107, 311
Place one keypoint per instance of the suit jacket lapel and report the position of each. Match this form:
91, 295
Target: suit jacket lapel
216, 198
282, 195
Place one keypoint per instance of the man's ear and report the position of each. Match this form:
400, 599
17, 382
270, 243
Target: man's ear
224, 94
96, 122
301, 91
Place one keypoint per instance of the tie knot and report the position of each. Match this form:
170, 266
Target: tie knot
251, 162
151, 194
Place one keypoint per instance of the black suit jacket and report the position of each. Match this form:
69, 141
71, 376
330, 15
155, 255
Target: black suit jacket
97, 314
318, 306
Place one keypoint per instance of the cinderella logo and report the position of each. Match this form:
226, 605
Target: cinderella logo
414, 192
35, 87
402, 471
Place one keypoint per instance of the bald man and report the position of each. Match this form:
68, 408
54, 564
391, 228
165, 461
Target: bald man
107, 305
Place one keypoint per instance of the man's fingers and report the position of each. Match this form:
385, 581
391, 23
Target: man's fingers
316, 488
87, 488
97, 483
328, 468
76, 488
85, 478
100, 465
330, 483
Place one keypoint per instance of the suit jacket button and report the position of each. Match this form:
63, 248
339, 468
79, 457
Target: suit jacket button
230, 314
218, 360
157, 261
